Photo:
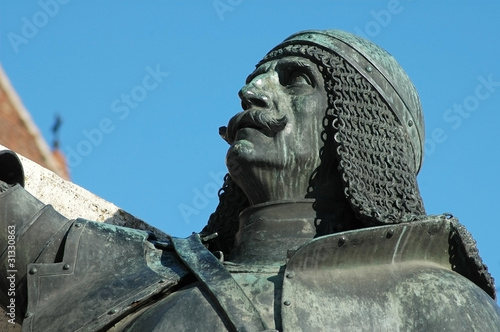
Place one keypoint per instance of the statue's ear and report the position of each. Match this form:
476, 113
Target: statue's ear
11, 169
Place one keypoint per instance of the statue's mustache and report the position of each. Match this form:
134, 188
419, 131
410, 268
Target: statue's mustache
261, 120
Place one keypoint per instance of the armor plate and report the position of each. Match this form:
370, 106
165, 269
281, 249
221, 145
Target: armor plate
388, 278
104, 276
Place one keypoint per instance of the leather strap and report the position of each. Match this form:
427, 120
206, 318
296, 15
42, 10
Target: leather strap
240, 312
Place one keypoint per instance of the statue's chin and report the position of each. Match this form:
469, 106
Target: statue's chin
249, 157
241, 148
260, 169
240, 154
252, 170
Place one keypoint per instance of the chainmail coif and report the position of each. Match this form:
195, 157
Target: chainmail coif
374, 152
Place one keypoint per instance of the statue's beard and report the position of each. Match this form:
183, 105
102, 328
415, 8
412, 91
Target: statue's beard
263, 121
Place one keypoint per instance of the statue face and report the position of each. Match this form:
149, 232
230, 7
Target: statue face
275, 141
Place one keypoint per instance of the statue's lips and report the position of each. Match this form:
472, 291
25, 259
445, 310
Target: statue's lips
246, 132
259, 120
243, 132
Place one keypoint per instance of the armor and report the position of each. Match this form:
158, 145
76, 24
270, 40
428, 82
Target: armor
405, 272
106, 277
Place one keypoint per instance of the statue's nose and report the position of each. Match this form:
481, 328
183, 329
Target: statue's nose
251, 95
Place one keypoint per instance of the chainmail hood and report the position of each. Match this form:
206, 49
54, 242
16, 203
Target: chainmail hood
383, 73
377, 119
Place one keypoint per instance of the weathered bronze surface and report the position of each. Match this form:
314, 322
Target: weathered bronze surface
320, 224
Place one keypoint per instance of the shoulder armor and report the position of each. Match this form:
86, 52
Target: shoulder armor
106, 272
409, 276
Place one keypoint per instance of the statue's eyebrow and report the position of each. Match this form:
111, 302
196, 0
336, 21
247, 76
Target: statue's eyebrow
264, 68
293, 62
289, 65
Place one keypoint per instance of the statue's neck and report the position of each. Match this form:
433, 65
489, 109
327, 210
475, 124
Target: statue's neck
269, 230
269, 185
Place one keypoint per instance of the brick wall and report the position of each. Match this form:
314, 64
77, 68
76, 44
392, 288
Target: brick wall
19, 133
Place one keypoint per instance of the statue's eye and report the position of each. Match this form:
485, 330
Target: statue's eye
298, 78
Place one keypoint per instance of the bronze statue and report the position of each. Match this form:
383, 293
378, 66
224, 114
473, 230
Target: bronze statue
320, 224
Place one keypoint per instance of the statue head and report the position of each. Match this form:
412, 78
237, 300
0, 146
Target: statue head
330, 116
275, 141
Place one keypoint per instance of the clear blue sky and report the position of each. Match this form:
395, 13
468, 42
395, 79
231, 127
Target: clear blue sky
159, 152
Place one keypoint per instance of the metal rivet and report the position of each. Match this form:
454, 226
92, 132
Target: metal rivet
390, 233
342, 241
112, 311
33, 270
287, 303
78, 224
66, 267
410, 123
28, 314
161, 281
290, 275
369, 69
